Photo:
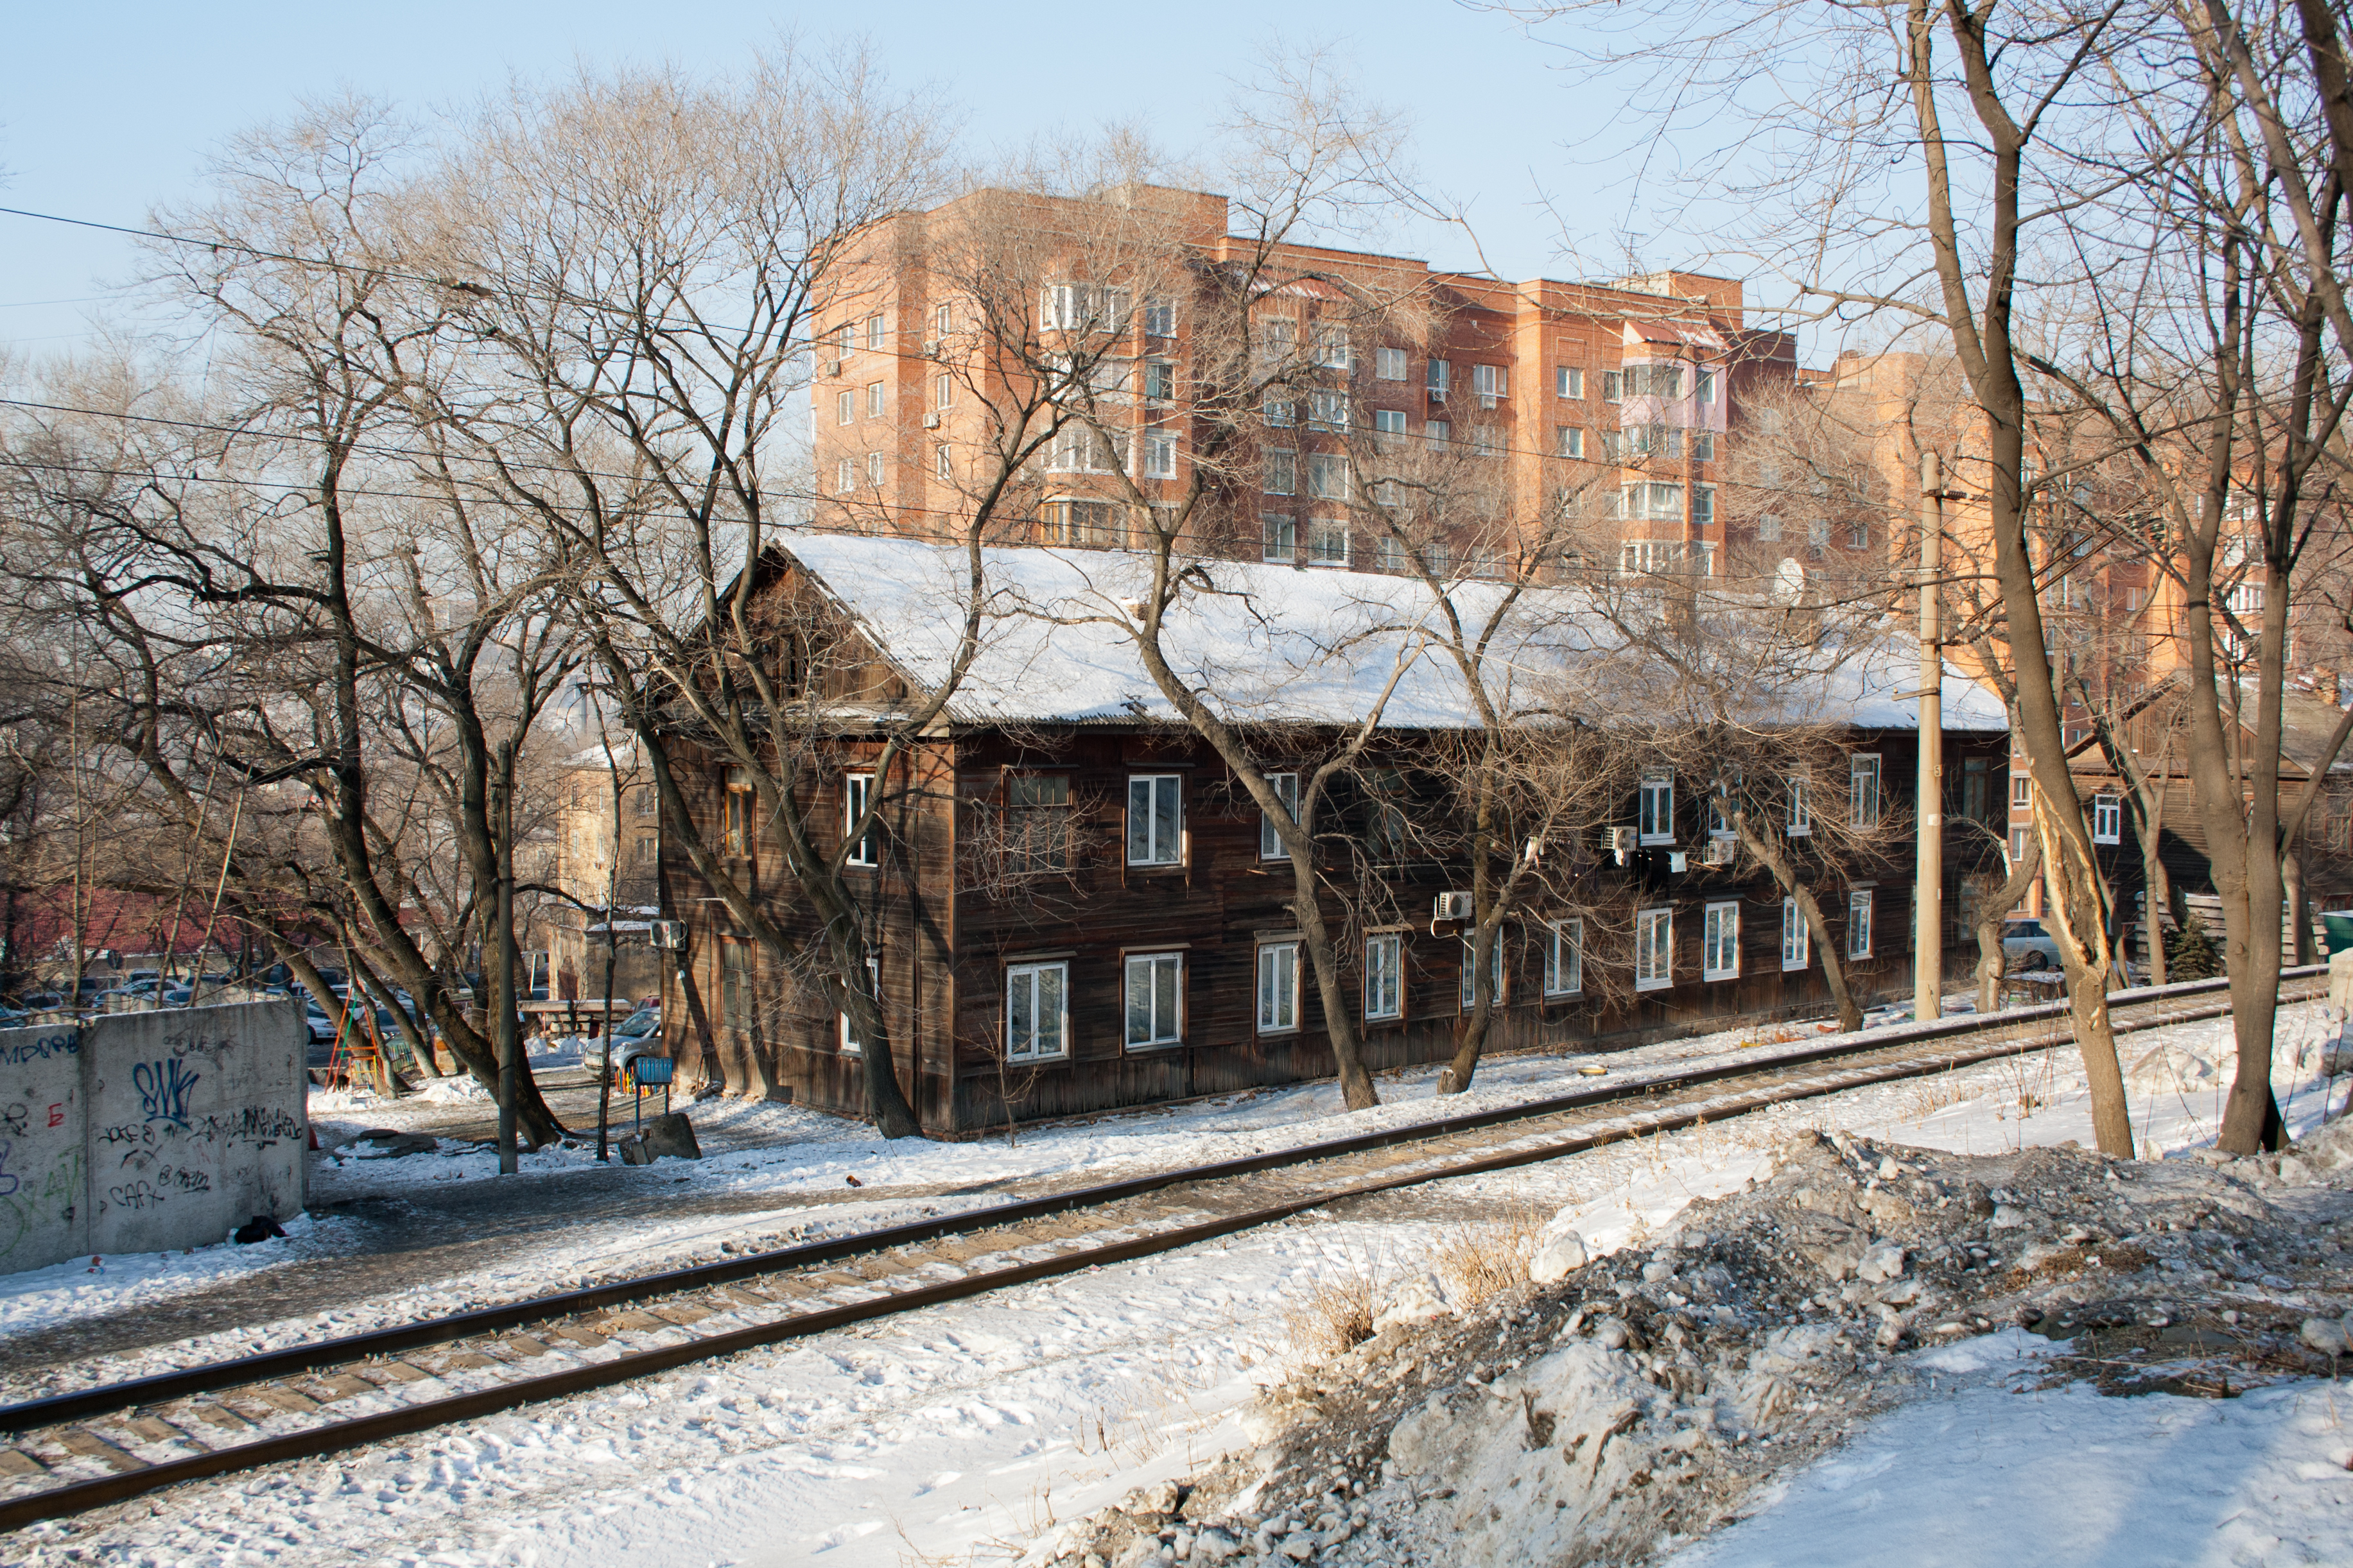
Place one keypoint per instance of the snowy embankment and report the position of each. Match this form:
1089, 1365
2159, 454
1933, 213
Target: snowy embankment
970, 1432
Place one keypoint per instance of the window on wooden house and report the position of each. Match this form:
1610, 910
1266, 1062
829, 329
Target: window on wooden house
1796, 941
1565, 958
1974, 793
857, 796
1270, 841
852, 1042
1654, 817
1720, 942
1862, 781
1037, 1012
646, 800
1156, 820
1386, 834
2107, 819
1038, 821
1470, 977
646, 849
1858, 924
1654, 949
1156, 999
1278, 987
735, 813
1800, 823
1385, 975
736, 984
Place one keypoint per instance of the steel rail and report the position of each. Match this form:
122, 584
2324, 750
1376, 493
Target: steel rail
333, 1437
52, 1409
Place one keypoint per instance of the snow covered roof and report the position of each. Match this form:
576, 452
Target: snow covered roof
1273, 643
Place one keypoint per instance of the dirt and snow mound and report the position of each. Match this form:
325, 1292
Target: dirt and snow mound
1631, 1402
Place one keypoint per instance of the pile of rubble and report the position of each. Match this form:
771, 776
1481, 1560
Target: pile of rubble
1608, 1408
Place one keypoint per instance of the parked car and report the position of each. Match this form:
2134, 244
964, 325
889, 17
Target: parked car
638, 1035
43, 1001
2026, 945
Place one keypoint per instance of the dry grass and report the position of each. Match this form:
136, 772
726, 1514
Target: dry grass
1336, 1314
1479, 1260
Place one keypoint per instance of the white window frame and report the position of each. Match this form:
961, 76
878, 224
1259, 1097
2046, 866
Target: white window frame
1570, 439
1159, 1032
1568, 381
845, 475
1654, 949
1159, 456
1440, 378
1155, 853
1495, 977
1565, 958
2107, 818
1720, 942
1801, 811
1329, 345
1280, 472
1490, 384
1768, 528
1328, 476
874, 333
857, 790
875, 470
1864, 805
1159, 319
943, 464
1286, 790
874, 400
942, 320
1613, 386
2022, 792
1280, 537
844, 407
1278, 1004
1388, 364
1703, 506
1389, 422
1385, 975
1327, 541
1159, 381
2018, 845
1703, 446
1703, 386
1035, 977
1858, 924
850, 1043
1656, 807
1796, 938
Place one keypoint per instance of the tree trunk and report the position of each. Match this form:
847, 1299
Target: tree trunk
1817, 930
1991, 960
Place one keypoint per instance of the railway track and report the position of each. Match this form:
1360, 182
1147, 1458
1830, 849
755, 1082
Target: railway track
73, 1452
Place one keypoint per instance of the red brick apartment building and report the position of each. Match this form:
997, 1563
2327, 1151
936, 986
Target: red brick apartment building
1624, 394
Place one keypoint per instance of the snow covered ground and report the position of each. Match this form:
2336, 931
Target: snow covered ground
959, 1433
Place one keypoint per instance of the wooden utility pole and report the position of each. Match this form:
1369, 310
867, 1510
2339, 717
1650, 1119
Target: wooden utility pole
508, 1046
1928, 932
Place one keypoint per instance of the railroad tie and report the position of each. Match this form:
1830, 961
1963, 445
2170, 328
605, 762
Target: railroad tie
153, 1430
523, 1345
342, 1385
399, 1371
586, 1339
90, 1446
13, 1463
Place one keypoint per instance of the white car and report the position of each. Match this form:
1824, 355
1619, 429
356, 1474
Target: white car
2026, 945
638, 1035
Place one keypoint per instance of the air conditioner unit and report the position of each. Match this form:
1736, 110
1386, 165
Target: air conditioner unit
1719, 852
930, 348
1438, 395
1621, 843
833, 367
669, 935
1450, 907
930, 421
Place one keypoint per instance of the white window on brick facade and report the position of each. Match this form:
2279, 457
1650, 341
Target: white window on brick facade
1281, 536
1703, 506
1332, 350
1327, 541
1384, 971
1720, 942
1278, 987
943, 464
1037, 1010
1569, 440
873, 331
1438, 432
1797, 943
1568, 381
1159, 456
845, 475
874, 400
943, 390
1159, 380
1703, 446
1156, 999
1440, 379
845, 408
1328, 476
1388, 421
1328, 410
944, 319
1388, 364
1489, 383
1565, 958
1159, 319
1654, 949
1613, 386
1768, 528
1282, 471
875, 469
1705, 388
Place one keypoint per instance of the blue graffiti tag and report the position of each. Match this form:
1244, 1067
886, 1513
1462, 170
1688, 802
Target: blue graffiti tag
8, 1183
163, 1089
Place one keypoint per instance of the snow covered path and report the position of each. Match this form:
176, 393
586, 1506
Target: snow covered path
1976, 1473
943, 1434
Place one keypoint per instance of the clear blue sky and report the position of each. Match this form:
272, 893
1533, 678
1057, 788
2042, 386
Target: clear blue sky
108, 110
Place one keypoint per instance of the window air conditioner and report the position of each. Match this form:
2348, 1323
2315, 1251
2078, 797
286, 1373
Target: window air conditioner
1719, 851
930, 421
930, 348
833, 367
1621, 843
1450, 907
669, 935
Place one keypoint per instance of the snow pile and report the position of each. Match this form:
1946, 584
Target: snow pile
460, 1090
1629, 1407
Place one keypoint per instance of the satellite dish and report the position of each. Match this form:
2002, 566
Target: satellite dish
1789, 581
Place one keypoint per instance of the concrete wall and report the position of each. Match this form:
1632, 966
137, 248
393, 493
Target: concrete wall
144, 1130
